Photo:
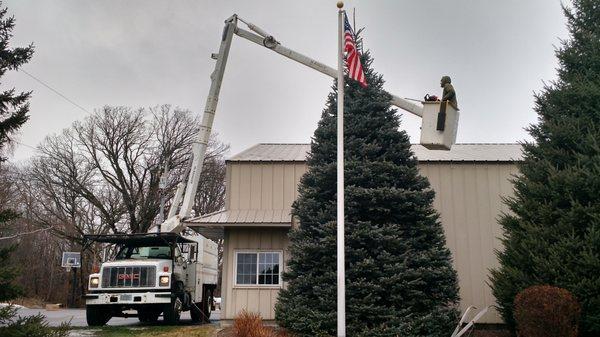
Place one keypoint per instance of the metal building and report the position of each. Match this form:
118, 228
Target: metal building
469, 181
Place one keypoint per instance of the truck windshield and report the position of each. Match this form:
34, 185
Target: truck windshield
142, 253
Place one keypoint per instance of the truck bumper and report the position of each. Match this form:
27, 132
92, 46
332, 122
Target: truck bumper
128, 298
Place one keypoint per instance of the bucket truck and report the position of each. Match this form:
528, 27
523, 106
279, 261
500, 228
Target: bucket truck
166, 272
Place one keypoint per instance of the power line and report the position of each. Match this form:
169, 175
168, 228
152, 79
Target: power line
54, 90
29, 146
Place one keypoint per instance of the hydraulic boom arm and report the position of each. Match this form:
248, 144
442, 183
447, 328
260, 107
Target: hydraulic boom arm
262, 38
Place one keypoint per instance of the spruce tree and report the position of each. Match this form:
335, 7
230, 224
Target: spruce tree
552, 235
13, 113
400, 280
13, 106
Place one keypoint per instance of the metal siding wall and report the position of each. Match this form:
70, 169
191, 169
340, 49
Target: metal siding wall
468, 197
260, 300
272, 186
469, 200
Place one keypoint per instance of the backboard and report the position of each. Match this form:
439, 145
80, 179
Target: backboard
71, 260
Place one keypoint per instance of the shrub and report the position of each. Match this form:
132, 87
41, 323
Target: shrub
249, 324
546, 311
12, 325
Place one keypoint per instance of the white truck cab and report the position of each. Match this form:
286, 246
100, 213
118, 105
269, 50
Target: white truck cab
154, 274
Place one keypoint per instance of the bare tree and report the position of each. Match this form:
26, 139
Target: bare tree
101, 176
107, 168
210, 196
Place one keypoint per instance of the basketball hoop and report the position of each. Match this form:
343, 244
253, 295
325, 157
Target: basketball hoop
71, 260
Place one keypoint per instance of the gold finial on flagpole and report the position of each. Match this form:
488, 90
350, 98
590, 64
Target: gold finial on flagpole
340, 4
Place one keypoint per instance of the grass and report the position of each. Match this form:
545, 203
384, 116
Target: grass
150, 331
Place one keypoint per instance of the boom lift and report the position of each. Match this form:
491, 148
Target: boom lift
430, 136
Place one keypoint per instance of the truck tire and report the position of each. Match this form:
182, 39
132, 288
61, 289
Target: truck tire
206, 305
97, 315
172, 311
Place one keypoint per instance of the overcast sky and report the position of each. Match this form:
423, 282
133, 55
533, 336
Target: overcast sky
142, 53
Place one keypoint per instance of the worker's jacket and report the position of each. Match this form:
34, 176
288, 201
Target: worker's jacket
450, 95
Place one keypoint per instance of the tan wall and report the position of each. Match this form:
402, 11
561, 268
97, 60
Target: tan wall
263, 185
252, 298
468, 197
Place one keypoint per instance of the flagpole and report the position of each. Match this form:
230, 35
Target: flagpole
341, 273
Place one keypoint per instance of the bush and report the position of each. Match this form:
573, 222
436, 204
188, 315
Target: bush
249, 324
546, 311
12, 325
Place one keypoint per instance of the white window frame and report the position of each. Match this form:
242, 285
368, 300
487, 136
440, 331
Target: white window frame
256, 285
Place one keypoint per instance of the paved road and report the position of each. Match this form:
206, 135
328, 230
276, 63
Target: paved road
77, 317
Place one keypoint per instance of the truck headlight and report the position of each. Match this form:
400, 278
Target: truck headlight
94, 282
163, 281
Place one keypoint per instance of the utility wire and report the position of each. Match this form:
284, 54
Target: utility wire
55, 91
29, 146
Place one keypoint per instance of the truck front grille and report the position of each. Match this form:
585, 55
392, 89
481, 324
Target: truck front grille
125, 277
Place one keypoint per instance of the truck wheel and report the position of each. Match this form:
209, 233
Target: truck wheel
172, 311
97, 315
206, 304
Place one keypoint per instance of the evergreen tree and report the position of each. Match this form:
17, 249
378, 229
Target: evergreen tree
8, 272
400, 280
13, 114
13, 106
552, 235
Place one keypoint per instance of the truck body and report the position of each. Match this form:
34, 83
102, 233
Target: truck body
153, 274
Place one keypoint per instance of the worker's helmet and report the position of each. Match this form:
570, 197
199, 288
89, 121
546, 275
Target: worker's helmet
446, 79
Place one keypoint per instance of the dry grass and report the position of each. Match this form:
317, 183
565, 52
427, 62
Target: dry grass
30, 302
191, 331
248, 324
156, 331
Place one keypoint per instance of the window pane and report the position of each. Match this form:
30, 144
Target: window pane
246, 268
268, 268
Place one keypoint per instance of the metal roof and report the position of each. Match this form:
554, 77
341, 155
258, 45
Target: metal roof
237, 217
139, 238
484, 152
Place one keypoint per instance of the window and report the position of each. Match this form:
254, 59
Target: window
257, 268
144, 252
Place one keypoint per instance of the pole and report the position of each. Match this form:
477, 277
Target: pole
341, 273
73, 288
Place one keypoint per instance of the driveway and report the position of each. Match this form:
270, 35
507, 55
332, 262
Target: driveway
77, 317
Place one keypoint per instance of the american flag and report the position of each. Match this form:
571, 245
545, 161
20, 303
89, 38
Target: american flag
355, 70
